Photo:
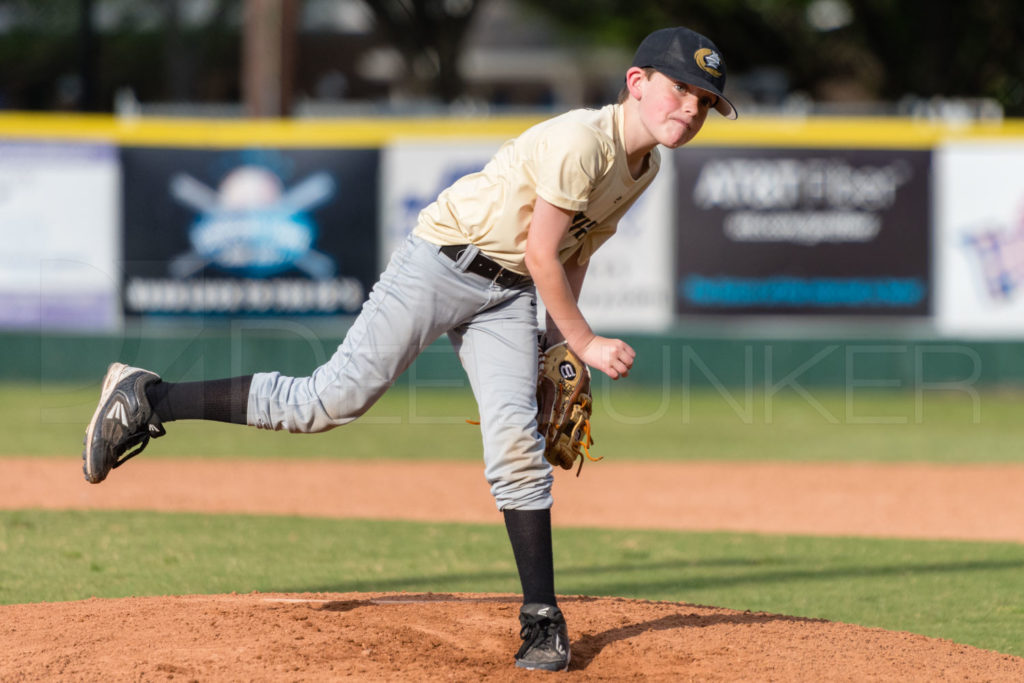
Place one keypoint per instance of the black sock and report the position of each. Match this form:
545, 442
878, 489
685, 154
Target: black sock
223, 400
530, 534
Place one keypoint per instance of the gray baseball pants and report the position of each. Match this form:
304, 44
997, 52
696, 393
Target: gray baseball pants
420, 296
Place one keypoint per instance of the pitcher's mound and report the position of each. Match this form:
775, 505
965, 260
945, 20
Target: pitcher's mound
415, 637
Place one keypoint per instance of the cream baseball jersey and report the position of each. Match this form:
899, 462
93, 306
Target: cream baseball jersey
576, 161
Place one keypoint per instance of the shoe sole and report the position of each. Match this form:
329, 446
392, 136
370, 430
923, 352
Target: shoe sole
544, 668
110, 382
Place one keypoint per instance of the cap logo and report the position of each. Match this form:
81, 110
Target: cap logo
708, 61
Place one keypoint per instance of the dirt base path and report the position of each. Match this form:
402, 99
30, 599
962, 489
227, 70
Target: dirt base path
971, 502
378, 637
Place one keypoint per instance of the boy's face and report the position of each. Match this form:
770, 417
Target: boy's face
672, 111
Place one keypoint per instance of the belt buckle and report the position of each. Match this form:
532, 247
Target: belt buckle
494, 280
514, 278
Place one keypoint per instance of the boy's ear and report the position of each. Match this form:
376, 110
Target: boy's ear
634, 76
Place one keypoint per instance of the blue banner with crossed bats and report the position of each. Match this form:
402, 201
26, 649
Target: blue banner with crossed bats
243, 232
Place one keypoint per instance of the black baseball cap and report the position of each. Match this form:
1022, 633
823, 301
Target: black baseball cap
689, 57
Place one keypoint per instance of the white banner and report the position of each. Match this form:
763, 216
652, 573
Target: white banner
629, 282
58, 227
979, 210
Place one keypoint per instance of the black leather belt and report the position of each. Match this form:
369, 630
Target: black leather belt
485, 267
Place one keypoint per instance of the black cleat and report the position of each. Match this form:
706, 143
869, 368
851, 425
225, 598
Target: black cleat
123, 419
545, 638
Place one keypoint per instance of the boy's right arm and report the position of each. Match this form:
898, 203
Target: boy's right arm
575, 274
549, 224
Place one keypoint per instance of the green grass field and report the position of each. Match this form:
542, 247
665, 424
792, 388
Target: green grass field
969, 592
972, 593
630, 424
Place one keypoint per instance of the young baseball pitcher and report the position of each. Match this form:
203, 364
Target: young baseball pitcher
527, 224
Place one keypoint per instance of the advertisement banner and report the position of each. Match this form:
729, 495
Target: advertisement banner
629, 281
803, 231
979, 204
58, 227
238, 232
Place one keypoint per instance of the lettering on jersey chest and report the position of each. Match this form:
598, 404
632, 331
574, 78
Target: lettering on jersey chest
580, 226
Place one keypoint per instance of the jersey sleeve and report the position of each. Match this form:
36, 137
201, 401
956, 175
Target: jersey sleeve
568, 161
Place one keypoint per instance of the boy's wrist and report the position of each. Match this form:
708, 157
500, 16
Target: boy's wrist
579, 342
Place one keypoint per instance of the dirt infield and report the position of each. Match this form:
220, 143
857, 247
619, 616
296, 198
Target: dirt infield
405, 637
472, 637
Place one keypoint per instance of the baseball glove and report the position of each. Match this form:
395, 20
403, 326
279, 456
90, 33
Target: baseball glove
564, 406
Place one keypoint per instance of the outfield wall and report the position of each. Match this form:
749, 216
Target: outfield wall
122, 240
